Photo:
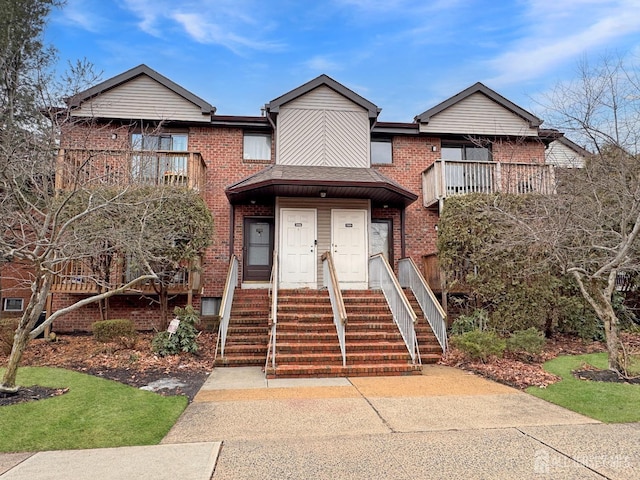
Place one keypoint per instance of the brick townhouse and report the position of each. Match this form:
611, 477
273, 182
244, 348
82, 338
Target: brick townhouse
316, 172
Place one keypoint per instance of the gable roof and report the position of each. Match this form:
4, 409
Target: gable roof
135, 72
478, 87
274, 105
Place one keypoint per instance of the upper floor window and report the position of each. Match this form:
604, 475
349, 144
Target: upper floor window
176, 142
466, 152
155, 164
381, 151
256, 146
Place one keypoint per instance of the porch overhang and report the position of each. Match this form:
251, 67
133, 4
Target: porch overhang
320, 182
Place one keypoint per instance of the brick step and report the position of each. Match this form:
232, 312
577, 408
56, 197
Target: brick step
247, 328
390, 346
241, 361
242, 312
289, 336
305, 328
305, 299
284, 348
244, 349
340, 371
322, 317
323, 358
430, 358
304, 308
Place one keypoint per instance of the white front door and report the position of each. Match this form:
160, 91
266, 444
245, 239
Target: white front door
298, 257
349, 247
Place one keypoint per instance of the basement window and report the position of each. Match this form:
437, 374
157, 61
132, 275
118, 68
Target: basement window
13, 304
210, 306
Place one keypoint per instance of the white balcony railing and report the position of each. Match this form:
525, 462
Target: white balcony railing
449, 178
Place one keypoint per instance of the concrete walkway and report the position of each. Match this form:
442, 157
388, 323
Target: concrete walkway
444, 424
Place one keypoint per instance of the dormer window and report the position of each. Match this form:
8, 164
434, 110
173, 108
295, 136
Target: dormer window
256, 146
381, 151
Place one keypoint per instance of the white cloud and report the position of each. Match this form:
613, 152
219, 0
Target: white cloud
322, 64
559, 33
79, 15
236, 25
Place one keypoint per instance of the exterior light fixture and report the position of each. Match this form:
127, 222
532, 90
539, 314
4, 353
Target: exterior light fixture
323, 193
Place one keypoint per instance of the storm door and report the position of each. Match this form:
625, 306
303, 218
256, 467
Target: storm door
258, 249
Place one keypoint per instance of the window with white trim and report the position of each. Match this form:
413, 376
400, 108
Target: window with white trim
256, 146
13, 304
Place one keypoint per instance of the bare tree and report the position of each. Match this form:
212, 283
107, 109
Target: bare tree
590, 228
66, 217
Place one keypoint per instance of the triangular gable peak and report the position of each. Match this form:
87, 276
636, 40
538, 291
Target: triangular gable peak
322, 123
323, 83
478, 110
141, 94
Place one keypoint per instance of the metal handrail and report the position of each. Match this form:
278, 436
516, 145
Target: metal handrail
225, 304
381, 277
409, 276
273, 314
337, 302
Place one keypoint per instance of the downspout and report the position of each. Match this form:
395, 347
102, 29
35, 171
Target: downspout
403, 243
232, 227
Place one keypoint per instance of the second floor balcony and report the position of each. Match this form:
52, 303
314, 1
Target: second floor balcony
450, 178
142, 167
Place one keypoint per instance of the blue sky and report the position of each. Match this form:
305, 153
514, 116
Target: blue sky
403, 55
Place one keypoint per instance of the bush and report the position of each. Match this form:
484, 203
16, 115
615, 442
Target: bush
478, 344
8, 328
184, 340
527, 342
121, 331
467, 323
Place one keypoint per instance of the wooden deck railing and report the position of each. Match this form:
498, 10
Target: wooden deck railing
116, 167
79, 277
449, 178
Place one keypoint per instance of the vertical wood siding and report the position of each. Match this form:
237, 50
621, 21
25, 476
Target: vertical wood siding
141, 98
478, 115
323, 128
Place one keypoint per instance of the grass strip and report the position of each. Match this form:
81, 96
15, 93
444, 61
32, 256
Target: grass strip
94, 413
604, 401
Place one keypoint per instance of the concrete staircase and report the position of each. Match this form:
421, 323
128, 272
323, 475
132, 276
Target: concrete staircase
307, 343
248, 334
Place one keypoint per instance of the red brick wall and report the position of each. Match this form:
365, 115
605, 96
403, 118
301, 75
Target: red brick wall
15, 282
411, 156
142, 311
221, 149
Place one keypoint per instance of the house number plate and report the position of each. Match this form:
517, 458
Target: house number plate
348, 225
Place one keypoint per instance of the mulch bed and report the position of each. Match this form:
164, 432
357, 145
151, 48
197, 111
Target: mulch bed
137, 366
30, 394
523, 373
596, 375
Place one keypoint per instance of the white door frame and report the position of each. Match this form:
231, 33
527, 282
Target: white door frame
310, 280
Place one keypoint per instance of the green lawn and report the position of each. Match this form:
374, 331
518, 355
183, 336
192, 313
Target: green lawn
94, 413
607, 402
